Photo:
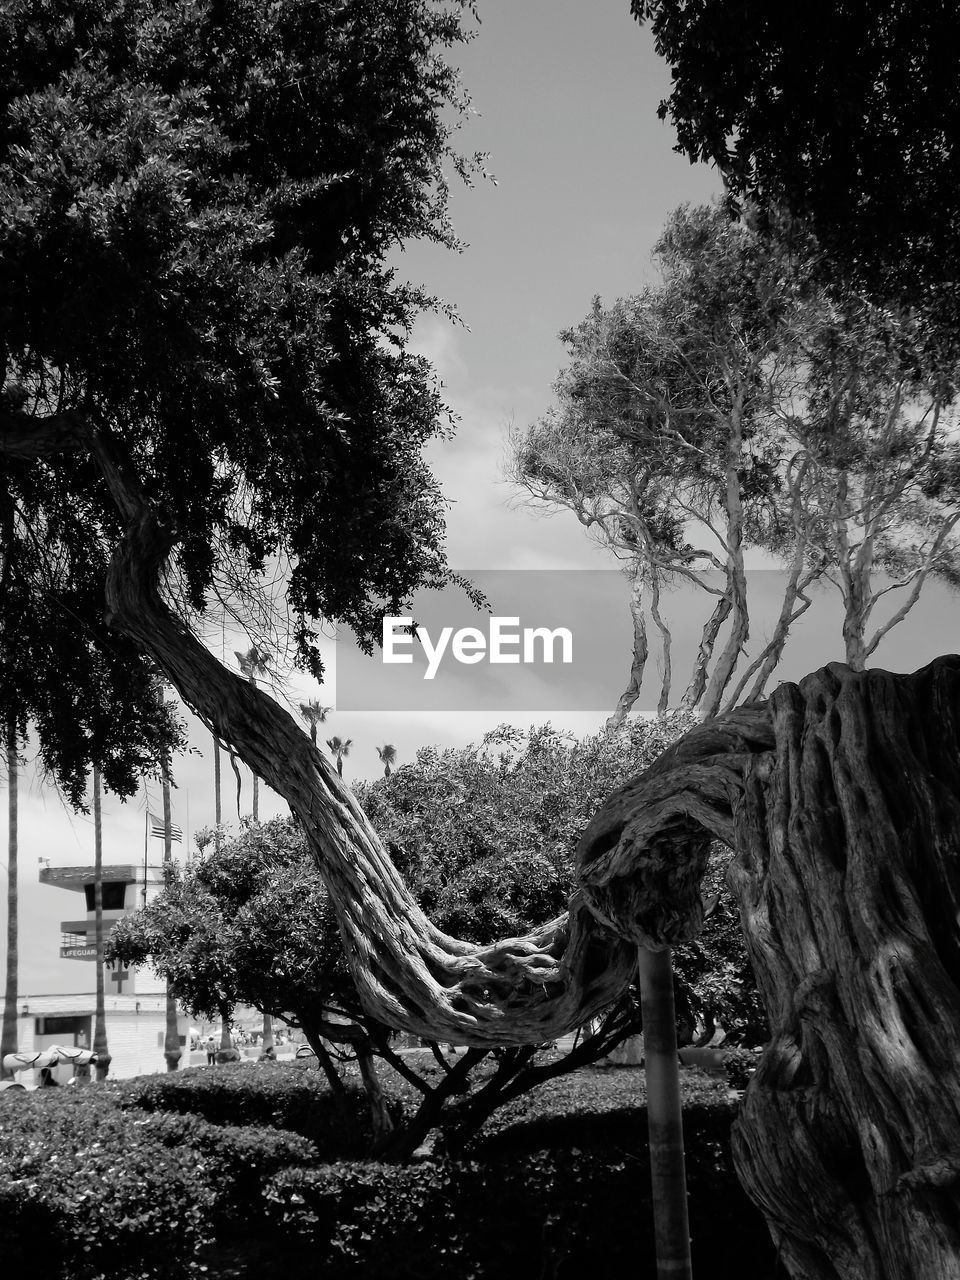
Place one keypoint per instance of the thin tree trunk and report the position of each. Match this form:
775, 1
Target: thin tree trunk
8, 1039
267, 1032
225, 1039
665, 647
638, 661
172, 1050
100, 1046
217, 794
708, 639
337, 1087
664, 1118
376, 1100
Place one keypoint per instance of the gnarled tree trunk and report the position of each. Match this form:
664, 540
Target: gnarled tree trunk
848, 879
843, 796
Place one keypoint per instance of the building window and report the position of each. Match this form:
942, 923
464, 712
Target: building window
113, 895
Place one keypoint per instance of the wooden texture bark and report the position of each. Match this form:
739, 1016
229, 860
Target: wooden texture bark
842, 796
849, 885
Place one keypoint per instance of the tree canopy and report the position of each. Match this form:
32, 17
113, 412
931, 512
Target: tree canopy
740, 404
843, 113
196, 204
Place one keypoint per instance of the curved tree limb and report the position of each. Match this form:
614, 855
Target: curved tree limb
409, 974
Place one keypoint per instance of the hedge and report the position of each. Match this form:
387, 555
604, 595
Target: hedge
552, 1213
91, 1192
132, 1180
288, 1097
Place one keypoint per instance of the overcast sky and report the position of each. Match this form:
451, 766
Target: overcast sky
566, 96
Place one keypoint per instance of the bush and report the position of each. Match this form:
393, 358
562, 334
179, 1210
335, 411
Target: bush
740, 1065
555, 1213
108, 1194
292, 1098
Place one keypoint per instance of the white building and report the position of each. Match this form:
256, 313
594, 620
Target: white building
135, 999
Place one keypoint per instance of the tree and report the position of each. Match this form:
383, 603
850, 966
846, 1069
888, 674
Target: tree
339, 747
314, 714
175, 207
101, 1047
738, 405
388, 757
253, 663
227, 183
844, 115
8, 1040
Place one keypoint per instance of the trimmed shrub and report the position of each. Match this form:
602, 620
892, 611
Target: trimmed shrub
550, 1213
292, 1098
107, 1194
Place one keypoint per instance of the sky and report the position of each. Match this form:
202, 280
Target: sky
565, 96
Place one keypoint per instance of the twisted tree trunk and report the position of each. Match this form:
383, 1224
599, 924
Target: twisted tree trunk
849, 884
843, 796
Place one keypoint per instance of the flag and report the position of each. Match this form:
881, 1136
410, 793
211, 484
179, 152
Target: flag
156, 829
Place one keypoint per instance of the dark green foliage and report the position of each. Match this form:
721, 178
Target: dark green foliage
145, 1171
843, 112
196, 204
106, 1193
288, 1098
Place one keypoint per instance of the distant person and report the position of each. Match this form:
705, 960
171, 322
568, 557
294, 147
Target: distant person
211, 1045
268, 1054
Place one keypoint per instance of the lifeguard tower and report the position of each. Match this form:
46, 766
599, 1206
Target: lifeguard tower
134, 999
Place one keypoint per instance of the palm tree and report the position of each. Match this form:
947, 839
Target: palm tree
217, 806
388, 756
314, 714
171, 1040
100, 1047
254, 663
339, 747
8, 1038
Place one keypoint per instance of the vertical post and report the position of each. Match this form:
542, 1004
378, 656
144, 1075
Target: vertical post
664, 1116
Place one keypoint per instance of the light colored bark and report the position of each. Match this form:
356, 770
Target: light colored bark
638, 661
100, 1046
8, 1038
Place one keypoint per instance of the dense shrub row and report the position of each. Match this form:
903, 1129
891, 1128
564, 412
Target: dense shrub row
552, 1213
132, 1180
288, 1097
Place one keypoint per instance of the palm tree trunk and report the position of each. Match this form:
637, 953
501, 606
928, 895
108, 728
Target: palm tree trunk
217, 797
171, 1040
664, 1119
8, 1039
100, 1046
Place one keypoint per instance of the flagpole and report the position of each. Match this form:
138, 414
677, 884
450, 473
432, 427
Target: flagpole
146, 839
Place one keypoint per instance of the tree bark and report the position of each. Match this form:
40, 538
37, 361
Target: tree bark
849, 885
668, 1178
843, 796
8, 1037
172, 1051
100, 1046
638, 660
